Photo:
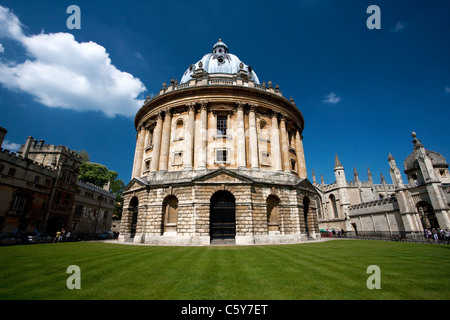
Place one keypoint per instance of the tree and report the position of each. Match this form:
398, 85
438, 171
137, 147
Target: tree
96, 173
117, 187
84, 155
99, 175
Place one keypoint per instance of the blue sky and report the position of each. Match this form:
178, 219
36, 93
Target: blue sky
362, 92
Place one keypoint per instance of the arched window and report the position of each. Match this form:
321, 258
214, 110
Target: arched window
170, 215
333, 207
273, 214
263, 130
179, 130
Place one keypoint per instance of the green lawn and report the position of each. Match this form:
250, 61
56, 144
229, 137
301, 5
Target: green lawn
322, 270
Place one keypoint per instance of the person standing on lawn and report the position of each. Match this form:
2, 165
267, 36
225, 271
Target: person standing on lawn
58, 234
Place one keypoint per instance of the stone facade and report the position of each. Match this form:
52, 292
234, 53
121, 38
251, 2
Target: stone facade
93, 209
40, 191
367, 209
193, 191
219, 134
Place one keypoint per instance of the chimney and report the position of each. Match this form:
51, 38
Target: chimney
107, 186
3, 133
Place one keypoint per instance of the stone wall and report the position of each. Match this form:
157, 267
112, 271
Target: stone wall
193, 222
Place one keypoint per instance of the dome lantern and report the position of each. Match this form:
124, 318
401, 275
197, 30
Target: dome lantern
219, 62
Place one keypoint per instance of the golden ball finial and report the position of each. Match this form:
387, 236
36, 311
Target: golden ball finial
220, 40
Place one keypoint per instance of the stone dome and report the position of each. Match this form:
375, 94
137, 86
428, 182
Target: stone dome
219, 61
437, 160
411, 163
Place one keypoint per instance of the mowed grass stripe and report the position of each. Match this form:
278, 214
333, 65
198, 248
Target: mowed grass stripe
327, 270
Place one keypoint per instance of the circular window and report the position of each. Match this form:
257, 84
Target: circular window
221, 59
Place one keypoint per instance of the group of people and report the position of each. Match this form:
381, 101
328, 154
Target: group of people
335, 233
61, 236
436, 234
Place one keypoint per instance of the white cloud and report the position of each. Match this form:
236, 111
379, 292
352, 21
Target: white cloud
331, 98
11, 146
2, 48
68, 74
10, 26
447, 89
399, 26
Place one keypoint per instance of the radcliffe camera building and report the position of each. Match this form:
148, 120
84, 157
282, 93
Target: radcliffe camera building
219, 156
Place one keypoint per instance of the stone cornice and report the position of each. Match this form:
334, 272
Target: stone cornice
220, 94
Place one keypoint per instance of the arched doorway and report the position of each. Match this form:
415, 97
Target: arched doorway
306, 202
133, 208
273, 214
222, 216
427, 215
55, 223
170, 215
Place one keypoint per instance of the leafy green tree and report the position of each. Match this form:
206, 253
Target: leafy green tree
117, 187
96, 173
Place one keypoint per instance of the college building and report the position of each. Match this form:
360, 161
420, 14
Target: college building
40, 191
401, 208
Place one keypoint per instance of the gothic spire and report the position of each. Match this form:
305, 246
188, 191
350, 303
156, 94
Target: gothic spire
337, 162
369, 176
355, 175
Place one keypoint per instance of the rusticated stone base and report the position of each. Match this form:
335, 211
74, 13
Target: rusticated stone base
144, 216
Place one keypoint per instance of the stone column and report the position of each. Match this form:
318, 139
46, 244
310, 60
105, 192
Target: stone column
253, 137
284, 145
203, 135
156, 143
165, 141
240, 136
139, 152
300, 155
275, 144
189, 146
